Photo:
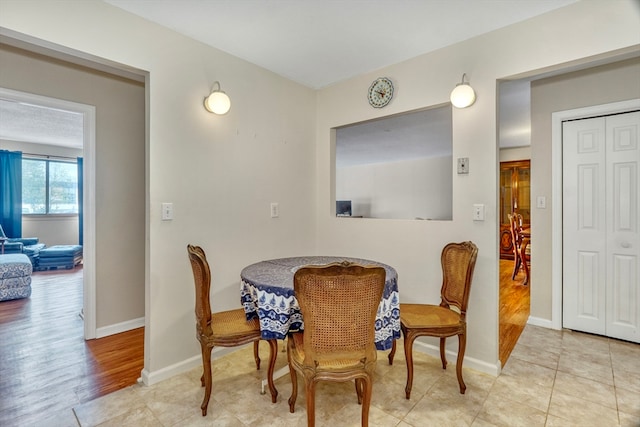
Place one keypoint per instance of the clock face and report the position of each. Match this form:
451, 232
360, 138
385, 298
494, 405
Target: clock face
380, 92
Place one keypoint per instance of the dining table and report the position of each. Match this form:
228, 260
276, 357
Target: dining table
267, 293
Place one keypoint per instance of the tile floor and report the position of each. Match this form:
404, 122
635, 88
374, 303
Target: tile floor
553, 378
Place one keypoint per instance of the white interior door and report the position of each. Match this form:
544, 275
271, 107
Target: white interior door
601, 245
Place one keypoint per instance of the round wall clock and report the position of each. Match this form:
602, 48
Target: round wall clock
380, 92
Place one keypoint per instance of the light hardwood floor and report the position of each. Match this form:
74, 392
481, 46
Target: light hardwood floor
45, 363
514, 308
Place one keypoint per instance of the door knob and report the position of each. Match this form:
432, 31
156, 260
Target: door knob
625, 245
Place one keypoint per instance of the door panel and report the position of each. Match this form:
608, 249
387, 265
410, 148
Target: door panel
623, 243
601, 244
584, 230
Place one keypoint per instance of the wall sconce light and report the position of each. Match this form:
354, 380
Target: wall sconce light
463, 94
217, 102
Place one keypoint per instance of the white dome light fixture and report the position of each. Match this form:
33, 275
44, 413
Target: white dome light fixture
463, 95
217, 102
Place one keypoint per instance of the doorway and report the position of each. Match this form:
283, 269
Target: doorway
87, 112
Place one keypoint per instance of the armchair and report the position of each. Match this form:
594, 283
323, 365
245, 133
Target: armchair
29, 246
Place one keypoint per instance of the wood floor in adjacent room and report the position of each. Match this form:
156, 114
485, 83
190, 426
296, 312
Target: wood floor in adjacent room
45, 364
514, 309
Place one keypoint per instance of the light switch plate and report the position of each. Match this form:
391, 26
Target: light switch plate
478, 212
463, 165
167, 211
541, 202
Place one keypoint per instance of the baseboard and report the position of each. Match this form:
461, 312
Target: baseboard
469, 362
150, 378
543, 323
119, 327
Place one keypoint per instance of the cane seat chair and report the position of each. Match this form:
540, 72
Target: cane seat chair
338, 303
447, 319
223, 329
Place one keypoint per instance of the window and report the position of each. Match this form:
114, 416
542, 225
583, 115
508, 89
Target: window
49, 187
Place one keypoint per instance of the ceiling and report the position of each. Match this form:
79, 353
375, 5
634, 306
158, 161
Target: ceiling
313, 42
321, 42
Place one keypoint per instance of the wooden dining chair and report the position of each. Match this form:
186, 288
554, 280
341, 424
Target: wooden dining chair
521, 248
447, 319
338, 303
223, 329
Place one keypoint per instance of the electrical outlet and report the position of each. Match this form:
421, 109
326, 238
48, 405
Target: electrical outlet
275, 210
463, 165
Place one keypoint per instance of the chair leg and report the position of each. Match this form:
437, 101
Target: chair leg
516, 266
443, 356
366, 404
206, 377
294, 387
310, 391
359, 390
462, 344
273, 354
408, 355
392, 353
256, 353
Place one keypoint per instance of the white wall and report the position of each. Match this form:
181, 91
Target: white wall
568, 36
398, 190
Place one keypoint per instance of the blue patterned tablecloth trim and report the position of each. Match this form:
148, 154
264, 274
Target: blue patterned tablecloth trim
277, 308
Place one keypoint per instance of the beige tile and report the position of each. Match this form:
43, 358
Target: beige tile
522, 390
531, 372
504, 412
110, 406
479, 422
539, 355
430, 411
581, 411
581, 343
595, 367
174, 399
219, 418
629, 420
586, 389
628, 380
535, 336
628, 401
572, 374
350, 415
389, 396
139, 417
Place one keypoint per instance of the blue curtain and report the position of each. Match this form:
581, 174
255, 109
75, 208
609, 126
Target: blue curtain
80, 202
11, 192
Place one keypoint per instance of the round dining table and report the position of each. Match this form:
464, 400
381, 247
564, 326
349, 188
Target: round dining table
267, 293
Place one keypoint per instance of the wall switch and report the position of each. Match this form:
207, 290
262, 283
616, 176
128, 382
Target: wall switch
463, 165
167, 211
275, 210
541, 202
478, 212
